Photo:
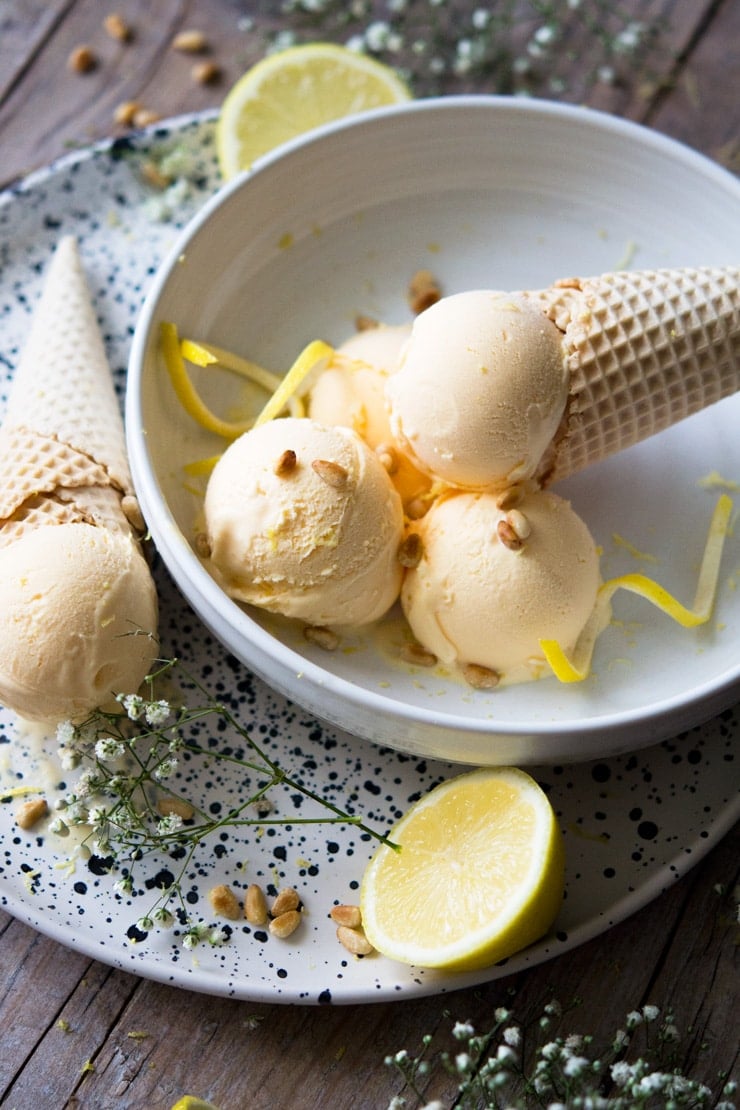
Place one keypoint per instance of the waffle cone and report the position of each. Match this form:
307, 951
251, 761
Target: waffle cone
62, 446
645, 349
63, 388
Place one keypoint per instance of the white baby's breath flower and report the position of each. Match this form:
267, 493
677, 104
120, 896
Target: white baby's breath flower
69, 759
377, 35
650, 1013
132, 704
65, 733
462, 1030
575, 1065
165, 770
633, 1019
217, 937
157, 712
462, 1062
621, 1072
77, 814
505, 1053
546, 34
629, 38
512, 1035
621, 1040
108, 748
172, 823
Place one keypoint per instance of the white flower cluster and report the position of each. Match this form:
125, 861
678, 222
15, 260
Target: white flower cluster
565, 1074
525, 48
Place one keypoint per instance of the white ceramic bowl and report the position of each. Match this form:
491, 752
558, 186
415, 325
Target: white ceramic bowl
485, 192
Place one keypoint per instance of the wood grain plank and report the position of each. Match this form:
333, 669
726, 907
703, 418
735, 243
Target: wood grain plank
702, 105
24, 27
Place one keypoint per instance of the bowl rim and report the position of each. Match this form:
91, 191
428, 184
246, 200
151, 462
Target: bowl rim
214, 601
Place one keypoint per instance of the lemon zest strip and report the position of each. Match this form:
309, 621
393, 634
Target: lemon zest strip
577, 668
310, 356
207, 354
201, 467
186, 392
19, 791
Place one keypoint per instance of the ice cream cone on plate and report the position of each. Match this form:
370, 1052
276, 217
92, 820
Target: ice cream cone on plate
78, 606
644, 349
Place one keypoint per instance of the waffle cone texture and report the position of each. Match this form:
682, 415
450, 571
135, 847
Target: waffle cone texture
62, 445
644, 350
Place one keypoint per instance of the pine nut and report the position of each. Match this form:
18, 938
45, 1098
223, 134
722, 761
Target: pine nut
354, 940
286, 924
224, 902
349, 916
31, 812
255, 905
286, 899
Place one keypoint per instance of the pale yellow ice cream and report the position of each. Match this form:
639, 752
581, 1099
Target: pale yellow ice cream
492, 582
73, 602
302, 519
351, 392
481, 389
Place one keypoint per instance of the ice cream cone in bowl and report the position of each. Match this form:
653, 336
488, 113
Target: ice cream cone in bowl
78, 608
644, 349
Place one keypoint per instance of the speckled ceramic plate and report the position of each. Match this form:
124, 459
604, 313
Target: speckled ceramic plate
632, 824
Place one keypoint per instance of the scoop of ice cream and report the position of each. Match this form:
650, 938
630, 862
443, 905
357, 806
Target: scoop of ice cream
481, 389
351, 392
492, 582
302, 519
78, 616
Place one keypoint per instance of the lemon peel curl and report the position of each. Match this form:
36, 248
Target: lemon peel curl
577, 668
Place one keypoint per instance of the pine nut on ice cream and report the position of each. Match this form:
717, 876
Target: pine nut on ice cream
492, 582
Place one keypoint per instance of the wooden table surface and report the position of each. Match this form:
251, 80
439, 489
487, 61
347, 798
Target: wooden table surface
680, 952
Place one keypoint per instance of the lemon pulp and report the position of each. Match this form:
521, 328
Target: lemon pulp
478, 874
294, 91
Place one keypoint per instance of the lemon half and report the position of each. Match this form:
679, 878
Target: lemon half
479, 874
295, 90
191, 1102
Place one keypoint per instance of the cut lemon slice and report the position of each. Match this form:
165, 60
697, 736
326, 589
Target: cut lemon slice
477, 874
191, 1102
292, 92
